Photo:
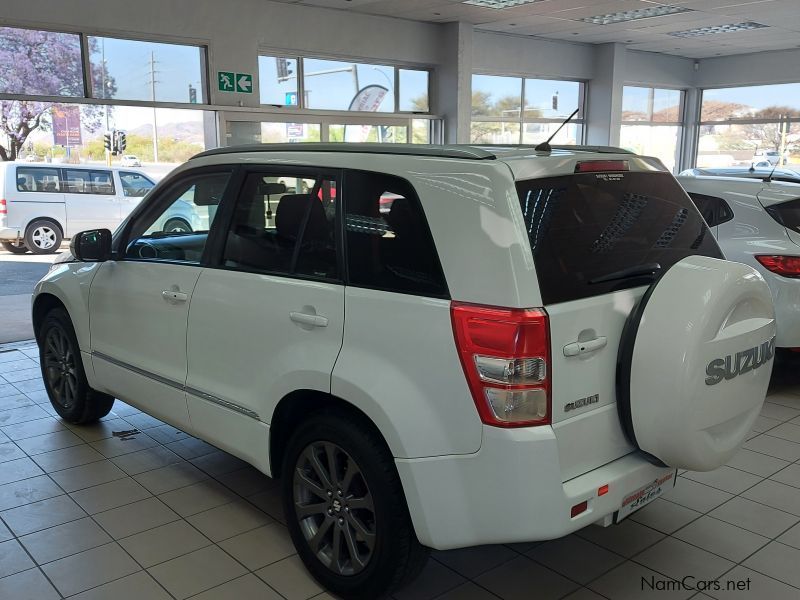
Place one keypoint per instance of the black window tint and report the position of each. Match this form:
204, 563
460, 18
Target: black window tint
787, 214
714, 210
284, 224
583, 227
38, 179
135, 184
389, 245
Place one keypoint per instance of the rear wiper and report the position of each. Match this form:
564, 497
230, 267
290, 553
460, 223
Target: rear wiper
635, 271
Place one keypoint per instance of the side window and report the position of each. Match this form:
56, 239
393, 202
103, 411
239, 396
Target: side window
80, 181
284, 224
38, 179
177, 229
388, 243
714, 210
102, 182
135, 185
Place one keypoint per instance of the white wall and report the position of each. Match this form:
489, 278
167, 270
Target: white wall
658, 70
749, 69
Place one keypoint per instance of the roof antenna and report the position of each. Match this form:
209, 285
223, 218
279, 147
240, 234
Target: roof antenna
771, 173
545, 146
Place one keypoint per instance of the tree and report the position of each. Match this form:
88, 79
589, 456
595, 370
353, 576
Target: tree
42, 63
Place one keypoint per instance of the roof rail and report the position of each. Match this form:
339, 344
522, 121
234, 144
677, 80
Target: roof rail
444, 151
602, 149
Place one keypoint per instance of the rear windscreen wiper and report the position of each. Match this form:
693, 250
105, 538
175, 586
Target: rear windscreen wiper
635, 271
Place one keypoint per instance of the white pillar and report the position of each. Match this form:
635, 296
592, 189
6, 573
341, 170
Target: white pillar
604, 105
453, 91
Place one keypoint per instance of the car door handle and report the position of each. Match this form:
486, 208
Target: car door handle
307, 319
576, 348
174, 297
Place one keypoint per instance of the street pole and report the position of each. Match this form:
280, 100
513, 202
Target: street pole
153, 96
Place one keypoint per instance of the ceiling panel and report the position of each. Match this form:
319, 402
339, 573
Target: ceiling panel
562, 19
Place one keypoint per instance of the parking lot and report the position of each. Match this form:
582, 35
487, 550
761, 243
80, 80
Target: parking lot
18, 275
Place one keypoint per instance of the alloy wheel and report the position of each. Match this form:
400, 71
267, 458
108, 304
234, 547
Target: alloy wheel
59, 367
334, 508
44, 237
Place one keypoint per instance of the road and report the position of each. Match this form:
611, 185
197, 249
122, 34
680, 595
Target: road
18, 274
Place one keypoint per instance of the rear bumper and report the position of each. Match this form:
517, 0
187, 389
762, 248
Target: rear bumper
786, 297
10, 233
511, 491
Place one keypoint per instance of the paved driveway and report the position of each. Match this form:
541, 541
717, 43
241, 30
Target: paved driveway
18, 274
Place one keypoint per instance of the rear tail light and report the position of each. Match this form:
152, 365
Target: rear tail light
788, 266
601, 166
505, 353
3, 207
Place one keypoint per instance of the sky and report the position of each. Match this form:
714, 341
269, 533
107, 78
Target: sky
539, 92
762, 96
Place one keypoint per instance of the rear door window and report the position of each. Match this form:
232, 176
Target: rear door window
787, 214
585, 227
714, 210
135, 185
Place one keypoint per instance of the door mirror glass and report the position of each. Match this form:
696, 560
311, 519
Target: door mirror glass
92, 246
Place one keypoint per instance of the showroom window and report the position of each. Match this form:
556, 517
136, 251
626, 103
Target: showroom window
514, 110
756, 126
27, 59
652, 123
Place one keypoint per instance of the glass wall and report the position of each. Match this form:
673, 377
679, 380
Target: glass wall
754, 126
652, 123
513, 110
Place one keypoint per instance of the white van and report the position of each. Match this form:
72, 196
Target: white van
41, 204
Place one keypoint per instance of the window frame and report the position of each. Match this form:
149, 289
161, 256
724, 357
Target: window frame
227, 212
680, 151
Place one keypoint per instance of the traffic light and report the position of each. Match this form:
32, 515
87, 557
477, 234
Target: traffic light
122, 142
555, 101
192, 94
108, 141
283, 68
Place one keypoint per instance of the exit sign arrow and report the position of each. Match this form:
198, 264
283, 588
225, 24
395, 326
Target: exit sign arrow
244, 83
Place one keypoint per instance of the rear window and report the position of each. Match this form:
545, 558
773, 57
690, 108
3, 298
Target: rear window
583, 228
787, 214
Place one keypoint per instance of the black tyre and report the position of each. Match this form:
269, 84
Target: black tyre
43, 237
14, 247
346, 510
62, 370
177, 225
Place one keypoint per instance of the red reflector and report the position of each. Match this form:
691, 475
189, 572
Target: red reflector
601, 166
788, 266
3, 207
602, 490
579, 508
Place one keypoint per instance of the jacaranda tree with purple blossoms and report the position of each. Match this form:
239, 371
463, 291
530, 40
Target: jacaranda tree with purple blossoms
41, 63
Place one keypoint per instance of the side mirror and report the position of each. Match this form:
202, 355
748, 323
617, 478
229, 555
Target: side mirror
91, 246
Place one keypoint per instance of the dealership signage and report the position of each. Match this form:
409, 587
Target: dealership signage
66, 125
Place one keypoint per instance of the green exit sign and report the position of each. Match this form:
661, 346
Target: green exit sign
228, 81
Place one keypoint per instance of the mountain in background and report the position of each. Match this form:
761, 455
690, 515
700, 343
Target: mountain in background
186, 131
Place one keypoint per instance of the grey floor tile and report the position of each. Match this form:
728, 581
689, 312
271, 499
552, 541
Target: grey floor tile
13, 558
471, 562
791, 537
10, 451
773, 446
756, 463
754, 516
14, 400
121, 409
63, 540
790, 475
49, 442
166, 479
465, 591
143, 421
191, 448
146, 460
135, 517
90, 568
779, 411
101, 430
721, 538
786, 431
247, 586
270, 502
196, 572
632, 581
110, 495
163, 543
626, 538
5, 532
218, 463
67, 458
11, 355
228, 520
741, 583
778, 561
763, 424
88, 475
260, 547
664, 516
166, 434
117, 446
139, 586
21, 415
20, 375
677, 559
22, 431
434, 580
27, 585
30, 385
27, 491
516, 579
583, 594
576, 558
19, 364
697, 496
777, 495
725, 478
245, 482
198, 497
42, 514
20, 468
290, 578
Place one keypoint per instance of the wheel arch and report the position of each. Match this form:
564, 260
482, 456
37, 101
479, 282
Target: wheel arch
43, 304
52, 219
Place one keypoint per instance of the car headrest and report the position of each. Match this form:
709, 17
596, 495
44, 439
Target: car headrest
291, 213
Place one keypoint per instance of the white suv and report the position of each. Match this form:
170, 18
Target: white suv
521, 344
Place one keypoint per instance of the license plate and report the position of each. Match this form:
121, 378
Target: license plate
645, 495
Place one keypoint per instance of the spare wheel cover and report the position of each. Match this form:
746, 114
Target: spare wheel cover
695, 361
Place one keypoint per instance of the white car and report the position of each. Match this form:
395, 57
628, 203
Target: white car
758, 223
522, 344
770, 157
43, 204
129, 160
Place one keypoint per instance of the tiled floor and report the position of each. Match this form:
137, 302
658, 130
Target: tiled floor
90, 514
